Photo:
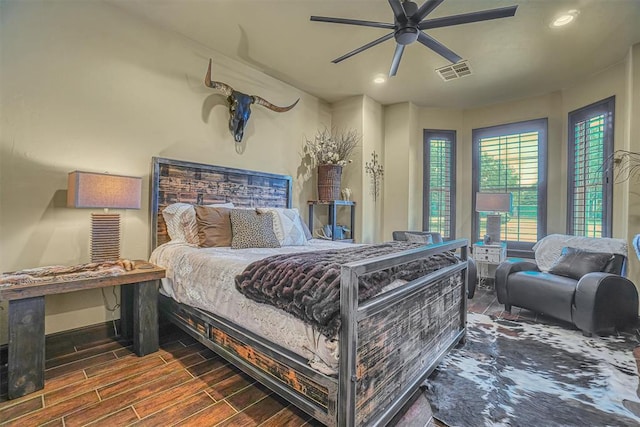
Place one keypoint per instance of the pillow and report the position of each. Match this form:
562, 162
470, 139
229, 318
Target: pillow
214, 226
287, 226
251, 229
181, 221
307, 232
575, 263
419, 238
549, 248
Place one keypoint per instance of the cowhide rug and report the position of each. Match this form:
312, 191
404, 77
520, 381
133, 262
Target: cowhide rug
519, 373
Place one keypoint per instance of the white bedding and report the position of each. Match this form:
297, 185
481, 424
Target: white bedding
204, 278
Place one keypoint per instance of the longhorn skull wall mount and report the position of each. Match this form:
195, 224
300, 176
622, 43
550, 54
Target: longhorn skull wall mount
240, 105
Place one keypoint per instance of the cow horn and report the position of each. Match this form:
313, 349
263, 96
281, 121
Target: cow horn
222, 87
265, 103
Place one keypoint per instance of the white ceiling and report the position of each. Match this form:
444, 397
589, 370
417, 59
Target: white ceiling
510, 58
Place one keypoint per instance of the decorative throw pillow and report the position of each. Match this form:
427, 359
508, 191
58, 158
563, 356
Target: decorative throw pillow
419, 238
214, 226
575, 263
251, 229
549, 248
181, 221
307, 232
287, 225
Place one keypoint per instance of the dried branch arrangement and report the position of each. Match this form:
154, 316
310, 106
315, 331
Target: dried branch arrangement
332, 148
624, 165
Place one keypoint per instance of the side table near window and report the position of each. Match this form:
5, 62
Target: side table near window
138, 318
487, 258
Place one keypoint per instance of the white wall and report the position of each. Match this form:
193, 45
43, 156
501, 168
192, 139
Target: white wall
397, 136
372, 140
403, 203
365, 116
632, 143
86, 86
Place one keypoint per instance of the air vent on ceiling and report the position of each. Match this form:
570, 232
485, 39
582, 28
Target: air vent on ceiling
454, 71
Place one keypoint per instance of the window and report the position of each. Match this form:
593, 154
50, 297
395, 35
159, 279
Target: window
511, 158
439, 187
590, 187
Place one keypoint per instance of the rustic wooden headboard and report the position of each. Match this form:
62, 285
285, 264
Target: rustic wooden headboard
175, 181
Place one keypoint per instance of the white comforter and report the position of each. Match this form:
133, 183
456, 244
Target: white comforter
204, 278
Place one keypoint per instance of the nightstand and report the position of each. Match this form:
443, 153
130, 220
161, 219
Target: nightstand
332, 210
487, 258
138, 317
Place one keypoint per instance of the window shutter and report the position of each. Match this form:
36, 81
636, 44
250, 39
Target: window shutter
511, 158
589, 199
439, 183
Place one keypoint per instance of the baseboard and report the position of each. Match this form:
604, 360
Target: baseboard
85, 334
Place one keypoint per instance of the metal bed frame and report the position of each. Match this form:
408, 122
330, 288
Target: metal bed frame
388, 344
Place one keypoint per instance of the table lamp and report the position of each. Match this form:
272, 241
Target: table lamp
101, 190
493, 203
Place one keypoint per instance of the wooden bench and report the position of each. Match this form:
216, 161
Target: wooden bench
138, 317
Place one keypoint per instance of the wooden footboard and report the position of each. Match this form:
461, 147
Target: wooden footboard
388, 345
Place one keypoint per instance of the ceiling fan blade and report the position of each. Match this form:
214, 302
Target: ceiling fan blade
397, 56
398, 11
426, 8
438, 47
365, 47
466, 18
353, 22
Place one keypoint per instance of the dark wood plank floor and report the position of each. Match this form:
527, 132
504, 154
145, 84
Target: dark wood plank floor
93, 378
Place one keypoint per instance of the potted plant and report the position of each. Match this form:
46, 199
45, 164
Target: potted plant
330, 151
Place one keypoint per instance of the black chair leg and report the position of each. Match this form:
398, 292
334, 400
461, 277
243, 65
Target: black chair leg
507, 308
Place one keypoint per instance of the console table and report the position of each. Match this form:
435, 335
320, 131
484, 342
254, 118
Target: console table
332, 210
138, 317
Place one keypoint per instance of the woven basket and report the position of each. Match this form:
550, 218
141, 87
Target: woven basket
329, 177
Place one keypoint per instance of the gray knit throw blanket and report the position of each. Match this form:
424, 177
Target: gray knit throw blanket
307, 285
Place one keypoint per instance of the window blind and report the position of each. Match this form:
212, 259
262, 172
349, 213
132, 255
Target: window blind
511, 158
439, 185
509, 164
589, 201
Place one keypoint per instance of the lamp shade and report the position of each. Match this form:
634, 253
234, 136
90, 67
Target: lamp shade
493, 202
100, 190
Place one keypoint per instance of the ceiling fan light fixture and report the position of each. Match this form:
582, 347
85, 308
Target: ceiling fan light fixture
564, 18
407, 35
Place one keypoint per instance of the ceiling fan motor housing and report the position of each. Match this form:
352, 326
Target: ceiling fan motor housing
406, 35
406, 31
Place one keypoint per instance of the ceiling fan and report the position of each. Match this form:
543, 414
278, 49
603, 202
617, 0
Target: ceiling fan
408, 23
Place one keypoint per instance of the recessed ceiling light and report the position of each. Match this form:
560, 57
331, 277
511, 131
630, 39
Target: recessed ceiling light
564, 18
379, 79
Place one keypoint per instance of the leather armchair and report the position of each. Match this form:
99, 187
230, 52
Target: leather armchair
596, 303
472, 269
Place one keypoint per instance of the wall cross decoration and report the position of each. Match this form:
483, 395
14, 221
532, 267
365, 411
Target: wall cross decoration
376, 172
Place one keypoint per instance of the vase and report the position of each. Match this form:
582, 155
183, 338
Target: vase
329, 177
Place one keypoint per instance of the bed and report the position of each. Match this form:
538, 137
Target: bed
387, 345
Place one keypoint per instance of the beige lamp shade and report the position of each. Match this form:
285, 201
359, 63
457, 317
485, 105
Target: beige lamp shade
100, 190
493, 202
